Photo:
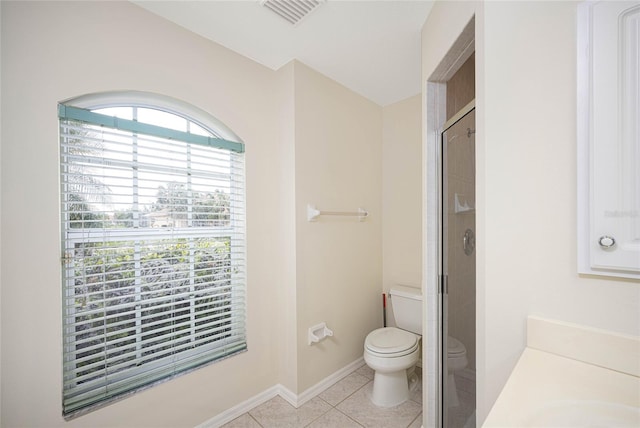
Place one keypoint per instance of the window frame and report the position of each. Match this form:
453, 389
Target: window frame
235, 228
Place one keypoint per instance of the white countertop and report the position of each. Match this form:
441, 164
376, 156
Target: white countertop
548, 389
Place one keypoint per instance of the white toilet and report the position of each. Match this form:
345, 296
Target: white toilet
456, 360
392, 351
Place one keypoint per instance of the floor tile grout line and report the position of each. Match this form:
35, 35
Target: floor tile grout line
255, 420
353, 393
419, 415
350, 417
335, 407
323, 414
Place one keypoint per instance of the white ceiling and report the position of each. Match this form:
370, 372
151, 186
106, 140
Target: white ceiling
369, 46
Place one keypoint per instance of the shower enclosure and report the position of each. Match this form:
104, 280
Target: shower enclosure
458, 270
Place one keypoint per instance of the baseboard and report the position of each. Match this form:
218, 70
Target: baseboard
467, 373
289, 396
327, 382
296, 400
242, 408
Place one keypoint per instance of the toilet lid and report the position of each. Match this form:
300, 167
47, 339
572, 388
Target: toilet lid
390, 340
454, 346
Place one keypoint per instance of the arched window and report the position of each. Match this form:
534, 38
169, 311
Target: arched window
153, 233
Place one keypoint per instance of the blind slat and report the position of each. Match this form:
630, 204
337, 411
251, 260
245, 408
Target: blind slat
80, 336
137, 308
189, 340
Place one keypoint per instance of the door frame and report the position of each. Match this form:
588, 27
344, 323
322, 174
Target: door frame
435, 106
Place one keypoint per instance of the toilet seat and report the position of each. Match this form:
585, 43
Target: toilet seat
455, 348
391, 342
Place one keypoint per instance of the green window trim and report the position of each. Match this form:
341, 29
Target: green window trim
93, 118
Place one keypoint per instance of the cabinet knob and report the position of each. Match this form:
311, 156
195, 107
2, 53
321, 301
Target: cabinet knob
606, 241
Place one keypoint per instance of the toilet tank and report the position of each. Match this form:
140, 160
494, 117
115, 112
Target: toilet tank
406, 303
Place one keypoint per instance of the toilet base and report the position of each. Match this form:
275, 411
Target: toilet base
413, 378
452, 393
390, 389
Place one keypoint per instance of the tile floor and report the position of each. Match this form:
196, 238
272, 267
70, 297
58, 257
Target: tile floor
343, 405
463, 416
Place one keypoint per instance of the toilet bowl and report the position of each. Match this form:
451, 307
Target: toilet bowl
456, 361
392, 352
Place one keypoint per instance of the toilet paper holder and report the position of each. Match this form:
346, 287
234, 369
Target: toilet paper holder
319, 332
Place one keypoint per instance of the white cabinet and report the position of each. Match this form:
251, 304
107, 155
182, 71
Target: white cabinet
609, 138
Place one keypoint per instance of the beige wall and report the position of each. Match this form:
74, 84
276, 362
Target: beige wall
54, 51
338, 143
286, 290
307, 140
526, 180
529, 202
402, 193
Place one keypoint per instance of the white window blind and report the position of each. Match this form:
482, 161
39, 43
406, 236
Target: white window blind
152, 209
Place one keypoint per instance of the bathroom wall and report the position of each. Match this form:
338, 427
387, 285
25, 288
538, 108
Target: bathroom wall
527, 203
338, 147
402, 193
54, 51
286, 291
307, 139
526, 180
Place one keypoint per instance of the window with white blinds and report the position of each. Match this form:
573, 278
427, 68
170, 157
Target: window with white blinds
153, 241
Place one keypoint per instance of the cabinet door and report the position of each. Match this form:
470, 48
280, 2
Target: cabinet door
610, 80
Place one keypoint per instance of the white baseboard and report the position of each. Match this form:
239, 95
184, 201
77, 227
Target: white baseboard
289, 396
296, 400
327, 382
242, 408
467, 373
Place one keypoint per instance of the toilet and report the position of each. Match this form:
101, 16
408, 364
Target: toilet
456, 361
392, 352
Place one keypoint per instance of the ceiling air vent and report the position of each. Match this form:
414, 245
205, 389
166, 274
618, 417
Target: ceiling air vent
292, 10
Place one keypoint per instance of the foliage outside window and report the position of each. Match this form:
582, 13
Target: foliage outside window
152, 209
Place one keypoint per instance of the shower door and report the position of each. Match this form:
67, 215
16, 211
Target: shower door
458, 267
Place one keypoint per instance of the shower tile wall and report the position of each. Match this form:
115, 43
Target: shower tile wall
462, 267
461, 88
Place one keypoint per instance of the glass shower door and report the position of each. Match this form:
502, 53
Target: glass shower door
458, 267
